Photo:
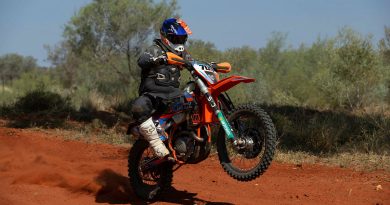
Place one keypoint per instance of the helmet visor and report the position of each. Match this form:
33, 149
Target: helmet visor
177, 39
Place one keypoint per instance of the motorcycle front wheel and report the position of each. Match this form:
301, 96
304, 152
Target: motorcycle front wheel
250, 154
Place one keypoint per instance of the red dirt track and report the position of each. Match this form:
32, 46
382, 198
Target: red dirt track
37, 167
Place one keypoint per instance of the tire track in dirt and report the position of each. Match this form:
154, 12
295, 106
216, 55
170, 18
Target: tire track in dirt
37, 167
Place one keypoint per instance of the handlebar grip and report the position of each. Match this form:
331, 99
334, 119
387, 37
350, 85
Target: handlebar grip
174, 59
223, 67
186, 63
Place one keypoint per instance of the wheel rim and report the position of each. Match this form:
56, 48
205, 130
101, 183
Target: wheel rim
148, 176
246, 152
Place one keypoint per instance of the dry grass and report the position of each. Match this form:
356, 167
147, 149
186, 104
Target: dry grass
358, 161
108, 137
94, 132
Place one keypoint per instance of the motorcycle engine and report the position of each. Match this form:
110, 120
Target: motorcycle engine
184, 146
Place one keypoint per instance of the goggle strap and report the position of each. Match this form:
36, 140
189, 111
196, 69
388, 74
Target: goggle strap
185, 26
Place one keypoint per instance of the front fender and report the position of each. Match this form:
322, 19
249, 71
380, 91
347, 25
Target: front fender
228, 83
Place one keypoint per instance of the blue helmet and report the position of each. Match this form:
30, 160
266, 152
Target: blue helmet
175, 32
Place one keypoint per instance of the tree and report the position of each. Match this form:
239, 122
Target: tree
13, 65
271, 57
384, 48
65, 62
357, 66
102, 42
204, 51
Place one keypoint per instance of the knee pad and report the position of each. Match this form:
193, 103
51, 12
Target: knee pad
142, 109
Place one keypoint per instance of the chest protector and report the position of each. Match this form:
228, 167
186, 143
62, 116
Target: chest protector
165, 75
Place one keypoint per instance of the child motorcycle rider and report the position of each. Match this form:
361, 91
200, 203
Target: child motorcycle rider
159, 81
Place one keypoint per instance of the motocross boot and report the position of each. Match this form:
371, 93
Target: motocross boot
149, 132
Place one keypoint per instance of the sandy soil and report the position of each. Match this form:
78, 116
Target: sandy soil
37, 167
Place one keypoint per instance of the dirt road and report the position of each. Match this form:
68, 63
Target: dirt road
37, 167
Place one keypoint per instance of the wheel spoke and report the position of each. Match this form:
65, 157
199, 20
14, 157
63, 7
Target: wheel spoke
246, 128
147, 182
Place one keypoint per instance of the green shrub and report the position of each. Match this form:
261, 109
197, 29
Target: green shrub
40, 101
322, 132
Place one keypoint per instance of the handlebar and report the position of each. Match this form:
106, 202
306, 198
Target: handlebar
174, 59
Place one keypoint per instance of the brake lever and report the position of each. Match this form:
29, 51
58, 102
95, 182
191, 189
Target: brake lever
213, 65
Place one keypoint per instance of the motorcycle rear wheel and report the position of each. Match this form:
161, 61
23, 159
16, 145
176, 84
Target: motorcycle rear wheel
255, 129
147, 184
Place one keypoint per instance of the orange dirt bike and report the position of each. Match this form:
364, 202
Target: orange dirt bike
245, 141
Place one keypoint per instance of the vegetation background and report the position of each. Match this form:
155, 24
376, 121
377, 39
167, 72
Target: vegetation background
327, 98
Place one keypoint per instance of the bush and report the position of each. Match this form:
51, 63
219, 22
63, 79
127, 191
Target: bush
324, 132
40, 101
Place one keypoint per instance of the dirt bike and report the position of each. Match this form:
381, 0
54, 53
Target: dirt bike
245, 141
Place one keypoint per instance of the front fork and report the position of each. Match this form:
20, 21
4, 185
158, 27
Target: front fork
221, 117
